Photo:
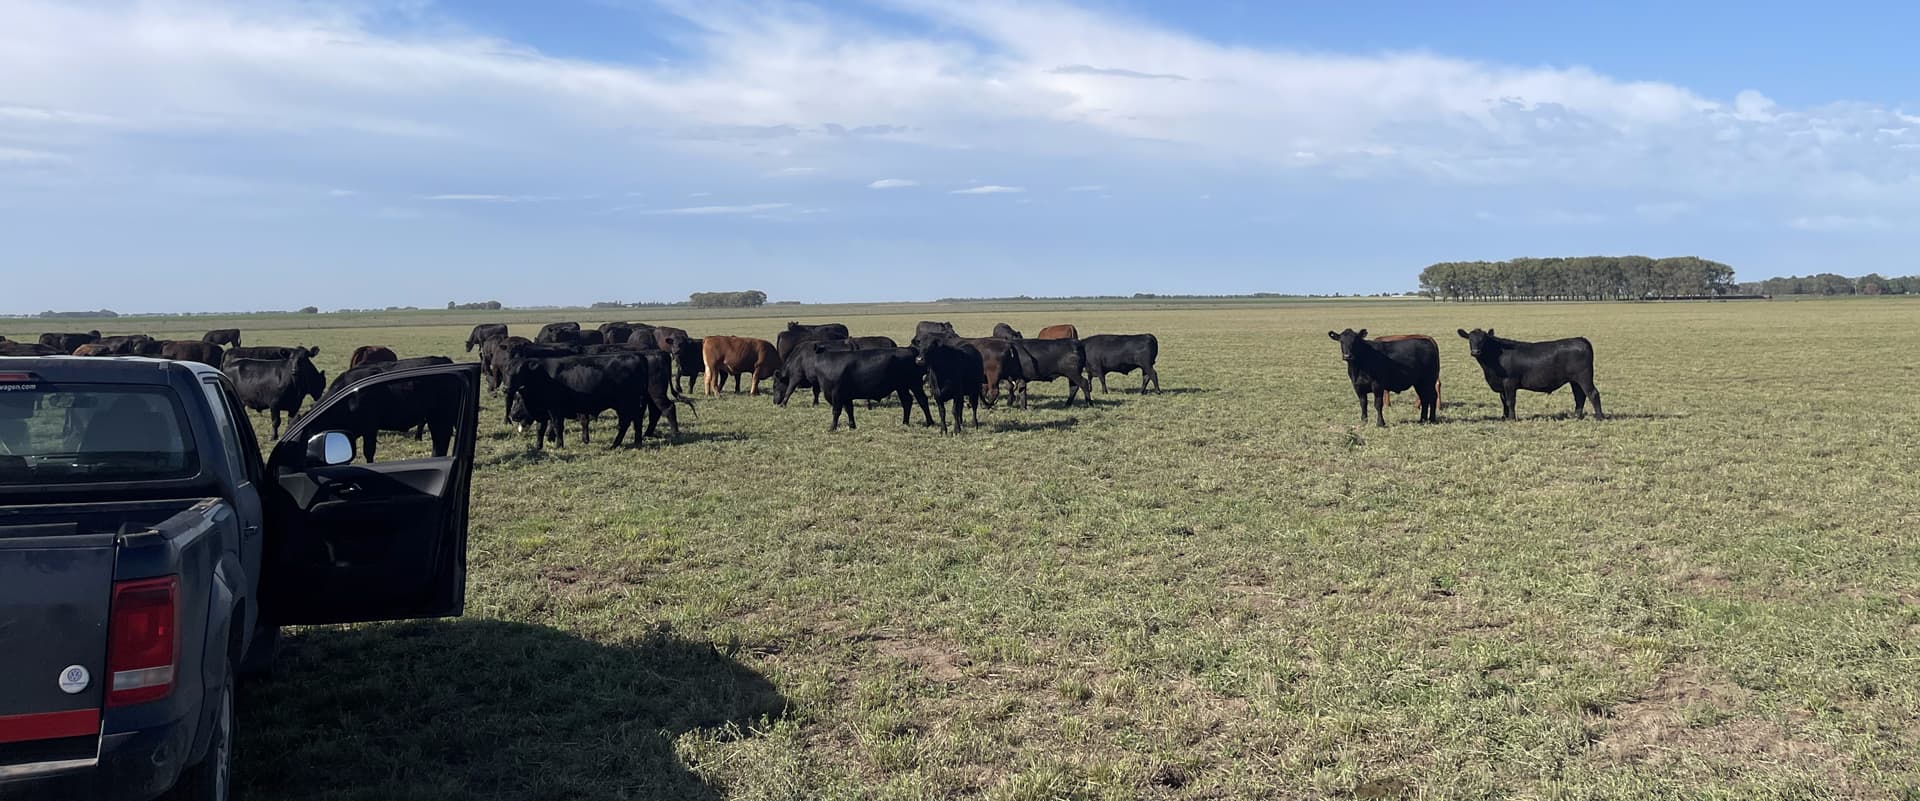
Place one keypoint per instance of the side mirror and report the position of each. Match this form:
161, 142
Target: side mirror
329, 448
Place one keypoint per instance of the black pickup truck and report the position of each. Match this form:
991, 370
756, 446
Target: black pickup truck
148, 552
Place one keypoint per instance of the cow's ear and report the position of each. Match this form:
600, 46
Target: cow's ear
1333, 336
1362, 334
1461, 331
1489, 332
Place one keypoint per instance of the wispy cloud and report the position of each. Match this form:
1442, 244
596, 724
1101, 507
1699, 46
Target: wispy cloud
475, 198
893, 183
989, 189
1840, 223
793, 172
749, 208
699, 194
1110, 72
20, 155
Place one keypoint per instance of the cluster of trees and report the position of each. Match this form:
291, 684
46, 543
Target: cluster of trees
1134, 296
1582, 278
489, 305
751, 297
63, 314
1831, 284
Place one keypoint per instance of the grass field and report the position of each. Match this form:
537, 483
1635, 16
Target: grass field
1228, 590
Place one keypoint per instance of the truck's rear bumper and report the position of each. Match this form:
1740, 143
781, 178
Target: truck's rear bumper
132, 766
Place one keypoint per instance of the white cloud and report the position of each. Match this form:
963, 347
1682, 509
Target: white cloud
793, 172
743, 209
20, 155
988, 189
1839, 223
699, 194
892, 183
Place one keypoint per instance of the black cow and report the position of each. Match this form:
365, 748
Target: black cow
29, 349
615, 333
483, 332
955, 372
1512, 365
1378, 368
127, 345
850, 375
668, 338
563, 333
689, 361
405, 406
222, 336
275, 385
802, 369
589, 338
578, 387
821, 330
788, 340
276, 353
1004, 331
872, 343
206, 353
1123, 354
493, 358
1046, 360
641, 334
926, 327
68, 343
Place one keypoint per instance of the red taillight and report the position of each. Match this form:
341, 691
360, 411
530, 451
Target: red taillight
141, 640
16, 378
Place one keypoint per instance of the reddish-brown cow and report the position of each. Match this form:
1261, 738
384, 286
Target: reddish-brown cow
1059, 332
737, 356
371, 354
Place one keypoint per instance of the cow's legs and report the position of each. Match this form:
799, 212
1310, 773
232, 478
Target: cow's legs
585, 437
1510, 403
906, 406
1593, 394
620, 432
1429, 404
1149, 372
276, 424
1380, 406
559, 426
920, 395
1103, 382
1363, 404
1579, 401
943, 414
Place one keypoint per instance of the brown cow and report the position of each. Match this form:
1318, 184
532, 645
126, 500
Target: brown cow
997, 361
737, 356
93, 349
1059, 332
188, 350
371, 354
1436, 382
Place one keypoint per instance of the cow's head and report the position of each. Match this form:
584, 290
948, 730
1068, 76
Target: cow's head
307, 379
1477, 340
1347, 339
782, 386
669, 341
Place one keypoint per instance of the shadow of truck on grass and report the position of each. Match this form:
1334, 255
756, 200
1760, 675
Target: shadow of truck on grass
485, 710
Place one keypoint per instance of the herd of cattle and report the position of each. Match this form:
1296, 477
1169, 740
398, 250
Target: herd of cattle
635, 370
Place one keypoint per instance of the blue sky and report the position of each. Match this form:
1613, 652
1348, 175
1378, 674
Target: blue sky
175, 155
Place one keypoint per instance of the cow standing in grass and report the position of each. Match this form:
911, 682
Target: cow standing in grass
1377, 368
1511, 365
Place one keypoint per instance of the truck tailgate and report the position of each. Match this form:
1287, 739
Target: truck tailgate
53, 638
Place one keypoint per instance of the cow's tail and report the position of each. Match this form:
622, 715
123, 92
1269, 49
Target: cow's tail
679, 398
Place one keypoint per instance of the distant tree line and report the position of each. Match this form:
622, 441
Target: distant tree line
1831, 284
735, 300
66, 314
488, 305
1581, 278
1134, 296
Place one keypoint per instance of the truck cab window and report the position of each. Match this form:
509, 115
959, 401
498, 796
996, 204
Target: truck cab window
81, 433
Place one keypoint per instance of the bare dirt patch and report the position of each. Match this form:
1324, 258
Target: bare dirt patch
1694, 716
939, 662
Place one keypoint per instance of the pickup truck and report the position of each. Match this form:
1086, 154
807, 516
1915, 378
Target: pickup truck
148, 551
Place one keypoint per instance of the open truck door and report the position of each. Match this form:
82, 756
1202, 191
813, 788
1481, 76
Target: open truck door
385, 540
